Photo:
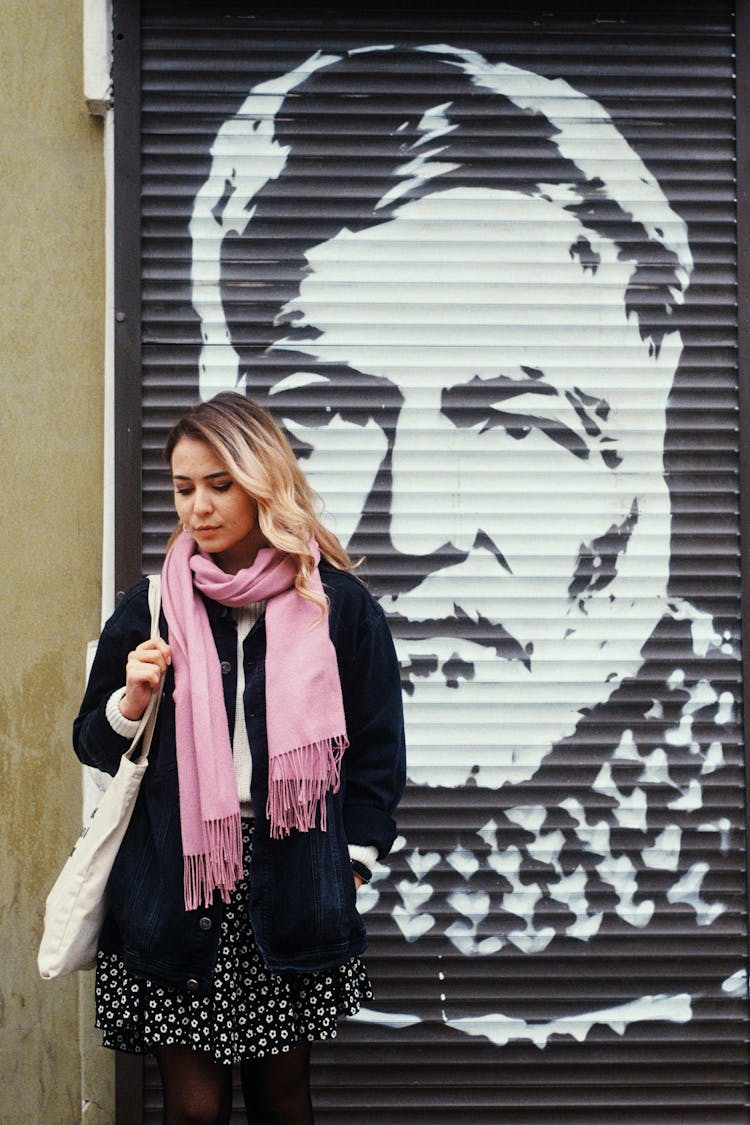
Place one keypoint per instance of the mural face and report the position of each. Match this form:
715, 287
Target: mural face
473, 351
468, 626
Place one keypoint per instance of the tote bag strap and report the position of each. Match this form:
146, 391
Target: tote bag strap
147, 722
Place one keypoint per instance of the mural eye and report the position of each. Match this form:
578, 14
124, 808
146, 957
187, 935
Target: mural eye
312, 400
310, 415
305, 399
518, 426
502, 403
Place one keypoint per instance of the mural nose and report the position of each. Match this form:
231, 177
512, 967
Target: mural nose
401, 535
427, 514
409, 571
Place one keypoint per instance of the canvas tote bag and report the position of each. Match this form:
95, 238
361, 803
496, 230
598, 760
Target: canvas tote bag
76, 905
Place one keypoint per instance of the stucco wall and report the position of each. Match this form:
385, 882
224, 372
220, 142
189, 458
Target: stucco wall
52, 327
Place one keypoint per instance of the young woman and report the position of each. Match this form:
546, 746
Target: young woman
232, 935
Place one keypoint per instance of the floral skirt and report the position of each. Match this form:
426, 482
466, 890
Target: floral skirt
250, 1012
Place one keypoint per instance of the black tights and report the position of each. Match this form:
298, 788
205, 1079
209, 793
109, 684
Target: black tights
198, 1091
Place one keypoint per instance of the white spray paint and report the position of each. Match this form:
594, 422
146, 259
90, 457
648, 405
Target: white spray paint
464, 862
665, 851
502, 1030
620, 873
725, 713
737, 985
474, 908
724, 828
690, 799
408, 914
656, 768
385, 1019
570, 890
687, 891
629, 812
714, 758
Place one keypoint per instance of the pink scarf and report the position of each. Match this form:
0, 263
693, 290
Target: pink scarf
304, 709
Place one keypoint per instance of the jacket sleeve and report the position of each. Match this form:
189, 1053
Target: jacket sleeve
375, 761
94, 740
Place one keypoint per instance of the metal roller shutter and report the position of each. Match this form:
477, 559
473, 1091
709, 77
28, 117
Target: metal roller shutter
489, 288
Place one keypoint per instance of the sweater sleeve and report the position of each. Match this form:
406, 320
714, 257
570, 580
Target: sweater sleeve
128, 728
375, 761
96, 742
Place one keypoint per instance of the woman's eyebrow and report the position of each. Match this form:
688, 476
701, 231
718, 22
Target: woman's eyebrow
208, 476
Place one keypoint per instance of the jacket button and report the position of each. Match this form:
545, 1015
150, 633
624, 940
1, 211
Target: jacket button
191, 985
226, 667
205, 924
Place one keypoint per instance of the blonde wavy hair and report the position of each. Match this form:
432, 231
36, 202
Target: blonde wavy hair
259, 457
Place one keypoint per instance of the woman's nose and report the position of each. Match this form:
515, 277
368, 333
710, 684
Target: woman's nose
203, 501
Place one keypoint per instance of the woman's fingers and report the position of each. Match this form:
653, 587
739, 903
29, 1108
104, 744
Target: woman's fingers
147, 657
154, 649
145, 667
143, 672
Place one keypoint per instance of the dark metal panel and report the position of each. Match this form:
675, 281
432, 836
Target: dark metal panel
636, 1023
742, 38
126, 84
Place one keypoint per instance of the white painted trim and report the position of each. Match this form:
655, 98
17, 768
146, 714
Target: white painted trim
97, 55
108, 452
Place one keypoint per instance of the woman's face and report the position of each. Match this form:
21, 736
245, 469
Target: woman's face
213, 507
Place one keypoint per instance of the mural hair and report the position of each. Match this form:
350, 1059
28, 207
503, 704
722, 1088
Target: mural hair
259, 457
475, 130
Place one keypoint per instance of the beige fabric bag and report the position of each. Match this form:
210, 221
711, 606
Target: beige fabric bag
76, 905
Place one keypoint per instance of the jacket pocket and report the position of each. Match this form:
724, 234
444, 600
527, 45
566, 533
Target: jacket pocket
304, 892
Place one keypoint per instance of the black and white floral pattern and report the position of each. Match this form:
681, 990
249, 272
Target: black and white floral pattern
250, 1011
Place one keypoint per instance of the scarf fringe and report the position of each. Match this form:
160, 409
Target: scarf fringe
218, 867
298, 782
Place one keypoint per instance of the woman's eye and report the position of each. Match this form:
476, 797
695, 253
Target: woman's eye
223, 487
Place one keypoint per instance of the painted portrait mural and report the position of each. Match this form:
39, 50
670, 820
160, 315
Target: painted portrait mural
472, 335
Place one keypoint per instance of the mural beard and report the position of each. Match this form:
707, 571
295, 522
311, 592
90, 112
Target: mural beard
509, 495
608, 851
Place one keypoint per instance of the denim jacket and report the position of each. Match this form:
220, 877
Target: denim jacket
302, 895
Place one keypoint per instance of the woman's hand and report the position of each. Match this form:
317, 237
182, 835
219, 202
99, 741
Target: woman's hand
358, 880
143, 672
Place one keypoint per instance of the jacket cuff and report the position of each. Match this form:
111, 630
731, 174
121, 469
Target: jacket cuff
127, 728
370, 827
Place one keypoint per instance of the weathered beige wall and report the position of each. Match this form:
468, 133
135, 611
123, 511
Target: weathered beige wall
51, 326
